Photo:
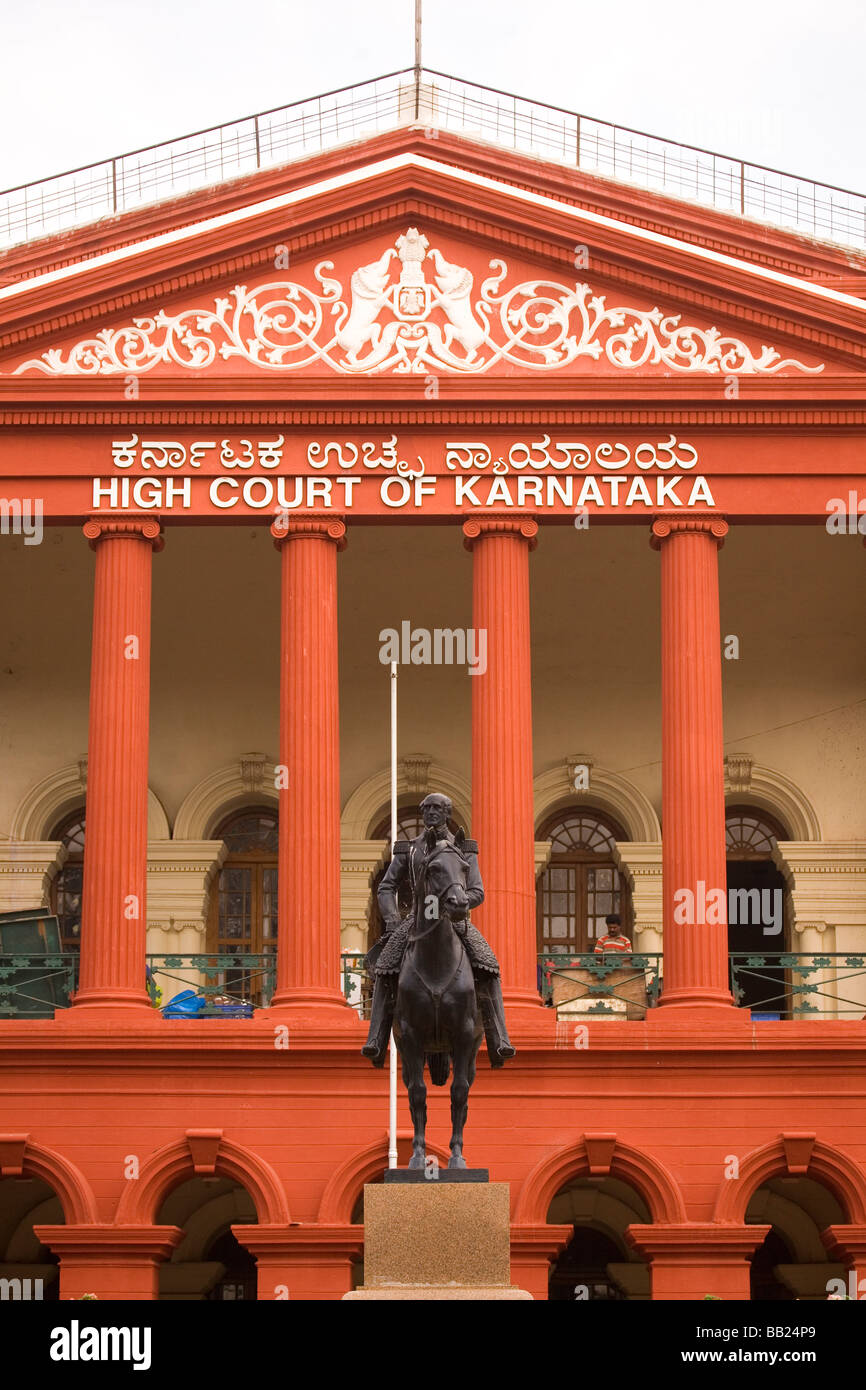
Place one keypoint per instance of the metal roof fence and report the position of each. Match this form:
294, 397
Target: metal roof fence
432, 99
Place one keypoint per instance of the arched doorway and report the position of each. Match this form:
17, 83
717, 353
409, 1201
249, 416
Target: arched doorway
29, 1268
791, 1263
209, 1263
239, 1279
68, 885
757, 911
243, 908
598, 1263
582, 884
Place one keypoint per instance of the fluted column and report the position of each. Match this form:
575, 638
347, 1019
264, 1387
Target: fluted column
113, 913
308, 941
693, 790
502, 807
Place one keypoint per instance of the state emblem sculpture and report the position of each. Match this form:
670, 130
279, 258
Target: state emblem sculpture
436, 979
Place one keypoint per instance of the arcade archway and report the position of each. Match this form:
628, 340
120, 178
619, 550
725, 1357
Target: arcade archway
598, 1263
29, 1271
792, 1261
209, 1263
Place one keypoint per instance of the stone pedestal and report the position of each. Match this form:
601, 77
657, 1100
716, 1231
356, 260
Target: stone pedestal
437, 1241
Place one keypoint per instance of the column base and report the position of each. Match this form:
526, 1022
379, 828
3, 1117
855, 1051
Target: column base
111, 998
315, 1008
107, 1012
697, 998
525, 1012
728, 1019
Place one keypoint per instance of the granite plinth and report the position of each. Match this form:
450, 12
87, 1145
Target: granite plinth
409, 1293
403, 1175
437, 1240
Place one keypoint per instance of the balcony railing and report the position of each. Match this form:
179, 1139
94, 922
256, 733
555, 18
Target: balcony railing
791, 984
613, 985
436, 101
774, 985
34, 986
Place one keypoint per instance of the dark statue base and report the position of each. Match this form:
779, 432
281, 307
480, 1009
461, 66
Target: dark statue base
437, 1175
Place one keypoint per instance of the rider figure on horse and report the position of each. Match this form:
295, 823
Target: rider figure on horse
386, 955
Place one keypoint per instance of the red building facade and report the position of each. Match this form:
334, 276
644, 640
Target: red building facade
418, 329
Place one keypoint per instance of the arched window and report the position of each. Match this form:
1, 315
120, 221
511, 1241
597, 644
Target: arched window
582, 884
68, 886
750, 834
243, 909
757, 911
410, 823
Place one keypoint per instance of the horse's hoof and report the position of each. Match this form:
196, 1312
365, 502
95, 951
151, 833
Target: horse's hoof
457, 1161
417, 1161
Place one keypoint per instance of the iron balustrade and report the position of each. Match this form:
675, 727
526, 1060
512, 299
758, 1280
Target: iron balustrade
772, 984
601, 994
355, 982
785, 983
33, 986
434, 101
242, 977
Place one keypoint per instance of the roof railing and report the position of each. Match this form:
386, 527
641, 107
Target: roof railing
436, 101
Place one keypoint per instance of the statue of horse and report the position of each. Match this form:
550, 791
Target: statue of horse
436, 1017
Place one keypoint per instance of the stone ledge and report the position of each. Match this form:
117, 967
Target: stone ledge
431, 1293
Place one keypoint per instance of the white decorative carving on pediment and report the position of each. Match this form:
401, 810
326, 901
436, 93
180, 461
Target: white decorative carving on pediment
422, 320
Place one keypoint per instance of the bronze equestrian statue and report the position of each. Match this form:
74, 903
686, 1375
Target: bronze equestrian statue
436, 979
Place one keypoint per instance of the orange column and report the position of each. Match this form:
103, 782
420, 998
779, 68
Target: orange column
690, 1260
847, 1244
112, 970
533, 1251
693, 791
303, 1262
502, 807
114, 1262
308, 942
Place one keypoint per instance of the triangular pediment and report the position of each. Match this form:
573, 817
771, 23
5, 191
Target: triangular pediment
411, 268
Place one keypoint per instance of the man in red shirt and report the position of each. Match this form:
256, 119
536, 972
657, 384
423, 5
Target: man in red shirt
614, 940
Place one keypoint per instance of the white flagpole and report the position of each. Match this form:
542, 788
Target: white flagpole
392, 1093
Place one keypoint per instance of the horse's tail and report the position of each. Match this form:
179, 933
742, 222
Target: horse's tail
440, 1065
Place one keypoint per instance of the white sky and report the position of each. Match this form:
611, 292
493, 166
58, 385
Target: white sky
777, 82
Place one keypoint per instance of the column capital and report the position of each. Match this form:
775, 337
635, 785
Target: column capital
106, 528
139, 1242
305, 527
495, 524
691, 1240
710, 524
301, 1240
846, 1243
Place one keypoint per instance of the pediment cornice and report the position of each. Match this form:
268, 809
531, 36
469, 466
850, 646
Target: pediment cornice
766, 243
417, 190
